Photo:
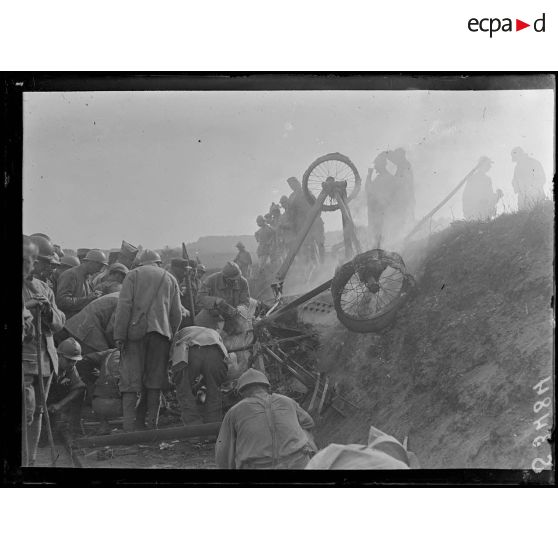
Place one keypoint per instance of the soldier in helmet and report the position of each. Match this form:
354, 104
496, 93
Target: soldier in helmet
66, 262
243, 259
220, 295
47, 260
148, 315
179, 267
112, 281
265, 237
37, 297
65, 398
82, 252
265, 430
74, 290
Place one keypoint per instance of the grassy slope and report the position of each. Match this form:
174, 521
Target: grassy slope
456, 369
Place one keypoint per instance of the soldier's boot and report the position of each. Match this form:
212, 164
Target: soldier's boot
141, 411
129, 401
153, 405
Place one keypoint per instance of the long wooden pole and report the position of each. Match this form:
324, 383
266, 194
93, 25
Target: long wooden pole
148, 436
419, 225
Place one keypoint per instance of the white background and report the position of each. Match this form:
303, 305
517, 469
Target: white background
299, 35
258, 35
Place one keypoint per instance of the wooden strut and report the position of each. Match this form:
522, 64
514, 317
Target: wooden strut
148, 436
419, 225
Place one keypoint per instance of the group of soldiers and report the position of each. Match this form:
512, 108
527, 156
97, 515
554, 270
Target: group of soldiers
121, 337
279, 228
391, 198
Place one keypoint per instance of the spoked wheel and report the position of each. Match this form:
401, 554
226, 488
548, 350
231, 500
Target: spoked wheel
333, 166
368, 291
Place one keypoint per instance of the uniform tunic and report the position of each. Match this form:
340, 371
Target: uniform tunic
263, 431
73, 291
93, 325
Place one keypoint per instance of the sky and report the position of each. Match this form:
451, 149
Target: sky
159, 168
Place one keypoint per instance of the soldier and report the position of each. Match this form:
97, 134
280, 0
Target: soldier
65, 398
479, 200
287, 226
113, 279
179, 267
74, 291
37, 297
265, 237
381, 452
380, 194
46, 261
199, 351
300, 207
81, 253
93, 328
528, 179
265, 430
243, 259
404, 177
220, 295
148, 316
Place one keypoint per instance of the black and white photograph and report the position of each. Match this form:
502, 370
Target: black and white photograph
288, 272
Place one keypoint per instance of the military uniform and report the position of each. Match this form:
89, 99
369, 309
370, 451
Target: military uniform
74, 290
51, 322
244, 261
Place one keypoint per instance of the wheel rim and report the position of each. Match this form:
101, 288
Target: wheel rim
338, 170
358, 302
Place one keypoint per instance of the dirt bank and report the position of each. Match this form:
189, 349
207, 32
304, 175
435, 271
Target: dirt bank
456, 370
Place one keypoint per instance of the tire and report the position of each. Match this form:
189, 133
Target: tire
376, 323
330, 157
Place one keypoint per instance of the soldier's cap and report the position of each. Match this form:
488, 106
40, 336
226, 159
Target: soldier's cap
179, 262
117, 266
70, 349
251, 377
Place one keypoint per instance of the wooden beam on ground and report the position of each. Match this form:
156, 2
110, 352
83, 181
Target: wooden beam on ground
148, 436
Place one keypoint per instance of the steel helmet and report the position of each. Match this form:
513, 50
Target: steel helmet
240, 244
231, 270
149, 257
82, 252
69, 261
282, 200
118, 267
55, 260
46, 250
252, 376
95, 256
42, 235
70, 349
201, 268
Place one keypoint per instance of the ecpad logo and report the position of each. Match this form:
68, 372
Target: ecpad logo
494, 24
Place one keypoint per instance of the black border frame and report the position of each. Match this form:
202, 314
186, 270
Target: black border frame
14, 84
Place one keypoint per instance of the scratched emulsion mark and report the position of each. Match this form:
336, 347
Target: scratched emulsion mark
542, 420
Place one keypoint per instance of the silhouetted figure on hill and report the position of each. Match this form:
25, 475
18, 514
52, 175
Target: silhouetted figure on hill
528, 179
479, 200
